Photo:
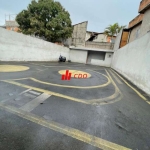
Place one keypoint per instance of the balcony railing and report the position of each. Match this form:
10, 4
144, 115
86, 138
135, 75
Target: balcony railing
144, 5
136, 21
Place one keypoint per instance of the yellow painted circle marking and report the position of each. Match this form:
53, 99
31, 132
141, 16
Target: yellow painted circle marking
12, 68
75, 87
74, 72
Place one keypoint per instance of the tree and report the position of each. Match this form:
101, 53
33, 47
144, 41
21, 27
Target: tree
120, 28
113, 30
45, 18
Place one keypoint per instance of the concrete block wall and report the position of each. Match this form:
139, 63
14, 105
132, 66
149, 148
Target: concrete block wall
18, 47
133, 62
79, 34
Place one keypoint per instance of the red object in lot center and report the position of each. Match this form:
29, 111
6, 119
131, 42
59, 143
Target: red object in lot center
66, 76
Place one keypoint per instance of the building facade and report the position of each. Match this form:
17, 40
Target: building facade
99, 40
99, 37
139, 26
79, 34
12, 25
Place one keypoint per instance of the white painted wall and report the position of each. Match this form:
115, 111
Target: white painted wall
117, 40
106, 62
133, 62
18, 47
79, 56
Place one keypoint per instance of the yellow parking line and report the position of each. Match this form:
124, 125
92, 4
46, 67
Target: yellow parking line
138, 93
13, 68
148, 102
68, 86
75, 87
101, 101
92, 102
17, 79
116, 77
74, 133
105, 99
46, 91
78, 65
113, 82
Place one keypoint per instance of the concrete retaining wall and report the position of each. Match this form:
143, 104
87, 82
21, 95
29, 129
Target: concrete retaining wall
133, 62
18, 47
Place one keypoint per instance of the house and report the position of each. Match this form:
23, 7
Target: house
139, 26
98, 37
134, 27
79, 34
11, 25
83, 38
95, 37
99, 40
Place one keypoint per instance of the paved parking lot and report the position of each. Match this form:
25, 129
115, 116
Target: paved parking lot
40, 111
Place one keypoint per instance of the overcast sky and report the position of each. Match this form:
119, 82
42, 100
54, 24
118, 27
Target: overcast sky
98, 13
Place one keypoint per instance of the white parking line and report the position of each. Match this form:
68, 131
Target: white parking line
24, 91
33, 92
35, 102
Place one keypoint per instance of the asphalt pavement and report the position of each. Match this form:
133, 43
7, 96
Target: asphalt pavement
39, 110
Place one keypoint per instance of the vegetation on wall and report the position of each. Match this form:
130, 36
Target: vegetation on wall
47, 19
